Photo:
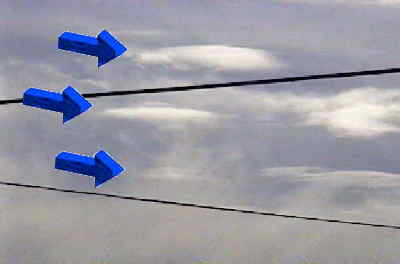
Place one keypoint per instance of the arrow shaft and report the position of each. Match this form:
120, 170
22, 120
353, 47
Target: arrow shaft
76, 163
79, 43
44, 99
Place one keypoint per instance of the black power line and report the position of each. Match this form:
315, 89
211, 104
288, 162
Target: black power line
229, 84
197, 205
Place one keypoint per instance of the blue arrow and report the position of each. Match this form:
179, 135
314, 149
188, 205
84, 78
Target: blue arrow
70, 102
104, 46
102, 167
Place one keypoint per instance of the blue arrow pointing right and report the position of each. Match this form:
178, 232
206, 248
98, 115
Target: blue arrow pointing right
70, 102
104, 46
103, 167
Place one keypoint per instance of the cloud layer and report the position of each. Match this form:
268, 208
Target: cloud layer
294, 166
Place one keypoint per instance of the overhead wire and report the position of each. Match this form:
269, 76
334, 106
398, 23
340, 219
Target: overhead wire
210, 207
214, 86
228, 84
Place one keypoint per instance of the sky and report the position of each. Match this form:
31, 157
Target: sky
320, 148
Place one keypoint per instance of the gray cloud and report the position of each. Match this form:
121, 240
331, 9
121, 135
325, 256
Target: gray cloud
253, 157
391, 3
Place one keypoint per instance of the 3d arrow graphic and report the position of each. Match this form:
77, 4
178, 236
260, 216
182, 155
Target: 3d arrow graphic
104, 46
102, 167
70, 102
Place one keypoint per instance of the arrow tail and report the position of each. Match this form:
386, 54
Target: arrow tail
75, 163
78, 43
43, 99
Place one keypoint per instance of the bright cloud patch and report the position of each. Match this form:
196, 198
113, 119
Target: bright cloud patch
216, 57
161, 114
362, 112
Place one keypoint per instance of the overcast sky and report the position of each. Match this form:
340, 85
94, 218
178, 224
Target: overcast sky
324, 148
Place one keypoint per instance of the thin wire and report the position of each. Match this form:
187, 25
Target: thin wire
196, 205
229, 84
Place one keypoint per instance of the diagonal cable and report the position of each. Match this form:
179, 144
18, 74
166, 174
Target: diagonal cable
151, 200
229, 84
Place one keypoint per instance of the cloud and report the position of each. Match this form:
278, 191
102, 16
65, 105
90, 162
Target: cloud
140, 33
161, 113
338, 177
216, 57
178, 166
338, 191
191, 172
389, 2
362, 112
3, 86
350, 2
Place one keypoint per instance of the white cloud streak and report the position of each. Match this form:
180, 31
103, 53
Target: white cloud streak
362, 112
215, 57
349, 194
334, 177
161, 114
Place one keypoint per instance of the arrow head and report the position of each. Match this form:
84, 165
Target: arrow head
109, 49
74, 104
106, 168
